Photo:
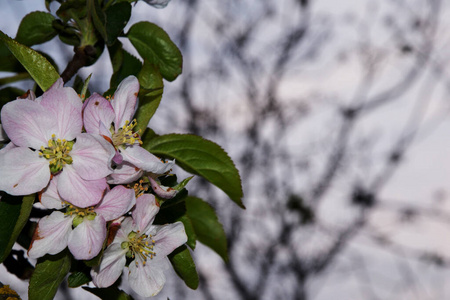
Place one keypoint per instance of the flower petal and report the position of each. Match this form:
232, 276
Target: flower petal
168, 237
27, 123
86, 240
110, 267
50, 197
97, 110
51, 235
162, 191
116, 203
124, 173
65, 104
22, 171
145, 211
141, 158
148, 280
124, 101
92, 156
76, 190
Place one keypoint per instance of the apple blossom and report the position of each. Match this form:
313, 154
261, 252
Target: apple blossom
147, 246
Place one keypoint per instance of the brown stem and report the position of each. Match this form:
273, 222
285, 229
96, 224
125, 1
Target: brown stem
79, 60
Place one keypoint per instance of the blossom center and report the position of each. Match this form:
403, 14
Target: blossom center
57, 152
140, 245
125, 134
80, 214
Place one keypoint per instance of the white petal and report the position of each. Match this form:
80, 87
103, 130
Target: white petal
141, 158
86, 240
147, 280
168, 238
76, 190
111, 266
97, 111
92, 156
27, 123
124, 101
51, 235
50, 197
66, 106
145, 211
116, 203
22, 171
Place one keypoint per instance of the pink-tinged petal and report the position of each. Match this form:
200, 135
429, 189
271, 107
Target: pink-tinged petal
145, 211
162, 191
65, 105
51, 235
125, 173
116, 203
27, 123
22, 171
127, 225
50, 197
92, 156
76, 190
141, 158
110, 267
118, 159
97, 110
86, 240
29, 95
148, 280
168, 237
124, 101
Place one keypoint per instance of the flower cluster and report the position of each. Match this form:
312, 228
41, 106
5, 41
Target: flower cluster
87, 164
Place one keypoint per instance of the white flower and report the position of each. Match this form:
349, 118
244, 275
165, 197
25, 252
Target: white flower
146, 244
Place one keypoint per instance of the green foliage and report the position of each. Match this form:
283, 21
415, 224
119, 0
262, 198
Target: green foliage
36, 28
206, 225
184, 266
37, 66
50, 271
124, 64
117, 17
110, 293
201, 157
77, 279
150, 94
14, 213
155, 46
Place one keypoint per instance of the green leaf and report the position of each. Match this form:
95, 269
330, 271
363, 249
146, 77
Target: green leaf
36, 28
117, 17
190, 232
50, 271
14, 78
98, 17
124, 64
184, 265
77, 279
14, 213
206, 225
37, 66
110, 293
154, 45
150, 95
201, 157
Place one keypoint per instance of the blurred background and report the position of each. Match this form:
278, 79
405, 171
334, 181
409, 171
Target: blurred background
336, 114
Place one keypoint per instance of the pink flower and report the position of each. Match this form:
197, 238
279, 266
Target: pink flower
146, 245
47, 134
114, 121
82, 229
